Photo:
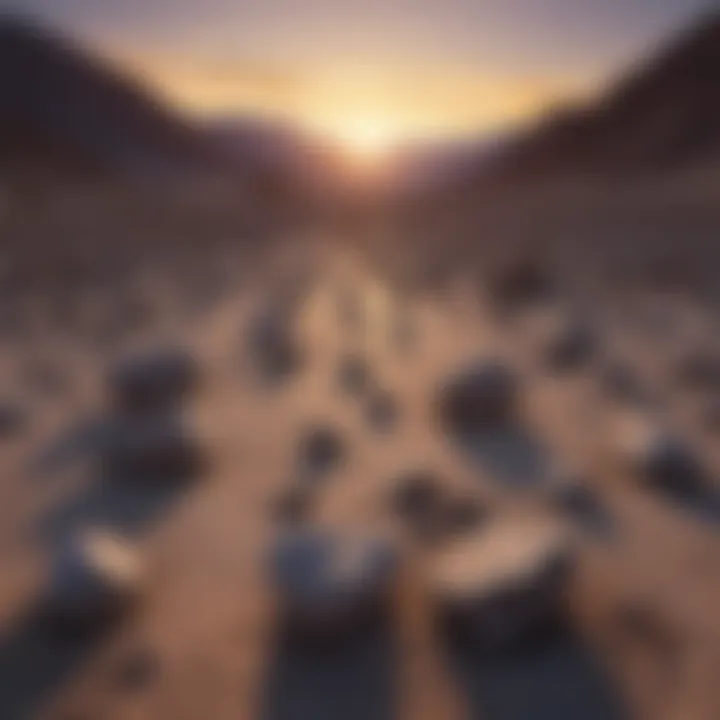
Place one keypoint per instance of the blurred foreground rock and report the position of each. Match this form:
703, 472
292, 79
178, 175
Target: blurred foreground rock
331, 586
504, 586
94, 578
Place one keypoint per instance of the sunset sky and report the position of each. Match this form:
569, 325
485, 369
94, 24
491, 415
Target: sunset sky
394, 68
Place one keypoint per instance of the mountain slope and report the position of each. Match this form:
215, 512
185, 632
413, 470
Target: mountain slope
61, 106
664, 116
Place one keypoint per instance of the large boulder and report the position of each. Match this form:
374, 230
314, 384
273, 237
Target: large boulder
504, 586
93, 579
157, 448
331, 586
482, 396
155, 379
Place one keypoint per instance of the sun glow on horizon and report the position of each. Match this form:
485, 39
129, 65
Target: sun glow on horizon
366, 139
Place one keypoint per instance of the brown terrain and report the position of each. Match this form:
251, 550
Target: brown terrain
494, 410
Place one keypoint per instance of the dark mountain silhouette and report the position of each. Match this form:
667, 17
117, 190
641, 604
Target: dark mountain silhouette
663, 117
61, 107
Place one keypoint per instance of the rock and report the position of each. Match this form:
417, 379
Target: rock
429, 511
522, 281
137, 670
575, 499
663, 460
483, 396
571, 346
622, 383
294, 504
354, 375
157, 448
320, 451
13, 419
417, 496
157, 379
94, 578
382, 411
273, 344
503, 587
331, 586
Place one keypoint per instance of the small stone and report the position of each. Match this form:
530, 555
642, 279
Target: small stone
382, 411
273, 345
321, 450
481, 397
519, 282
663, 460
13, 419
137, 670
354, 375
571, 346
294, 504
331, 586
158, 379
430, 512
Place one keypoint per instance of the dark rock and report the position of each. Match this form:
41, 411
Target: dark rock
622, 383
354, 375
571, 346
431, 513
665, 462
481, 397
137, 670
273, 345
520, 282
382, 411
504, 587
154, 380
94, 578
670, 464
331, 586
320, 451
150, 449
417, 496
576, 500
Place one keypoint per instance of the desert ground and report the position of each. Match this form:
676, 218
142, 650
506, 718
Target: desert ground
379, 317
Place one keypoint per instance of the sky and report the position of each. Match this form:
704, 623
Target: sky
375, 70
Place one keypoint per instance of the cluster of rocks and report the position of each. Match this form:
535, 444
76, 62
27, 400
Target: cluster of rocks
146, 438
430, 512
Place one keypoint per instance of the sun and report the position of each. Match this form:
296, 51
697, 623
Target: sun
367, 139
